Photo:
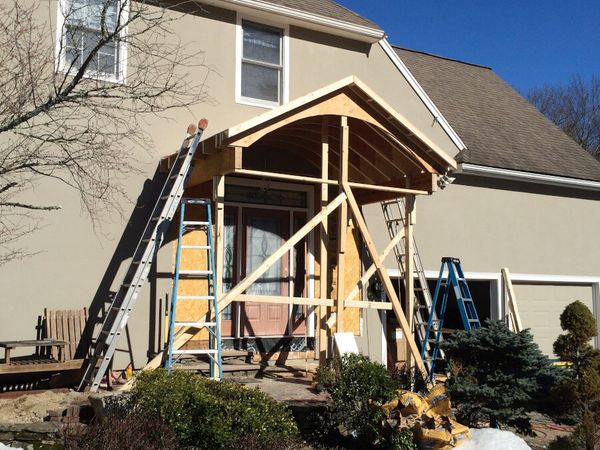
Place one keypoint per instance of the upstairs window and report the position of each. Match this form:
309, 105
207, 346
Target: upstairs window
83, 22
261, 65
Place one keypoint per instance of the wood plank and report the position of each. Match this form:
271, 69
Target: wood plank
514, 315
41, 367
324, 265
387, 282
284, 300
367, 305
293, 240
409, 267
342, 224
219, 244
305, 179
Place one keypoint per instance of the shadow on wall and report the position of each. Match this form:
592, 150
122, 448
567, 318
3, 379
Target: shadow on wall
124, 250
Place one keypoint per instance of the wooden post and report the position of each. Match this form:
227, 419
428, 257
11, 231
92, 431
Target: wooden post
409, 263
385, 279
513, 312
219, 245
342, 224
324, 266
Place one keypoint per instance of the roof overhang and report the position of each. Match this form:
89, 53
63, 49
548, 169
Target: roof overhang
303, 19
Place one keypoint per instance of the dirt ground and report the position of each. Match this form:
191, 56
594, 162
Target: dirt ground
33, 406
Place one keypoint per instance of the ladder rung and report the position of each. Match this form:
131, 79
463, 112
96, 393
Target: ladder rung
195, 223
195, 273
203, 351
195, 297
206, 247
195, 324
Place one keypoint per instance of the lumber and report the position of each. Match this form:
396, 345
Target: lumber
184, 334
325, 180
342, 224
387, 282
323, 266
282, 299
367, 305
409, 267
514, 315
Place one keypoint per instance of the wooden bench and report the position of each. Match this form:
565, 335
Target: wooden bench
55, 351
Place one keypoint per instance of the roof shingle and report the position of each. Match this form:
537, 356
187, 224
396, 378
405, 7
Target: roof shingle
326, 8
499, 127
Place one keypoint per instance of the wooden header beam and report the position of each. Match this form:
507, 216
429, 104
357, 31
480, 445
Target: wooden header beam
306, 179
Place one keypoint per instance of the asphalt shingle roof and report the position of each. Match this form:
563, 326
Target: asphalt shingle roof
326, 8
499, 127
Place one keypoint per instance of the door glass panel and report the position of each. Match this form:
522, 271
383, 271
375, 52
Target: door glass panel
263, 239
228, 261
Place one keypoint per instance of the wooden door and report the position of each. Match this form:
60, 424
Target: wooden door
264, 231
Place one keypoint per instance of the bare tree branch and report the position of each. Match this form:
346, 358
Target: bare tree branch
574, 108
78, 121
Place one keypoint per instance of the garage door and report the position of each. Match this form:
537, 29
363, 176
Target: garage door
540, 308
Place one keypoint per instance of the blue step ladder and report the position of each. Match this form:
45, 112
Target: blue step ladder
211, 321
466, 307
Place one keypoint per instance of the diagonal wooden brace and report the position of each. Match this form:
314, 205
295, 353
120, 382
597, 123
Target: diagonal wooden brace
385, 279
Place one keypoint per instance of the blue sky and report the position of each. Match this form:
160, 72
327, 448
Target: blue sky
527, 42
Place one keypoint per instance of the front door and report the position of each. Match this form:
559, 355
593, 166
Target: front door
264, 231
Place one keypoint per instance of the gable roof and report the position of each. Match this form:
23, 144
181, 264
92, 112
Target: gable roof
499, 127
326, 8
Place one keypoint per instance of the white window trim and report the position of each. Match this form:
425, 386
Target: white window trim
285, 76
60, 61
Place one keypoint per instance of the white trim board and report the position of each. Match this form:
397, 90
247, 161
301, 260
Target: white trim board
530, 177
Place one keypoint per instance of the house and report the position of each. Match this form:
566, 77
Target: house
288, 79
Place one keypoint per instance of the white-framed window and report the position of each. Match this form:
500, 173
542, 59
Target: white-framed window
261, 63
80, 24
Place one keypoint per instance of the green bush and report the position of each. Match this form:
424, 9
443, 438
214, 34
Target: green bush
353, 382
206, 414
498, 376
578, 396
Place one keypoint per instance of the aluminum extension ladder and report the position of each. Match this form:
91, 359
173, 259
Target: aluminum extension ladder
394, 212
141, 262
208, 274
466, 307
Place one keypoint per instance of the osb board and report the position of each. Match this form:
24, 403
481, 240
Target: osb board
193, 259
352, 267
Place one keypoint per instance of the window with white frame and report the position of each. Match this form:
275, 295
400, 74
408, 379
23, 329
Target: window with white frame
83, 22
261, 62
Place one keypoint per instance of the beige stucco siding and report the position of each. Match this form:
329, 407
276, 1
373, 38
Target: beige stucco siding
495, 224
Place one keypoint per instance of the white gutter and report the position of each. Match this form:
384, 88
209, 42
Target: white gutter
528, 177
369, 34
437, 115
